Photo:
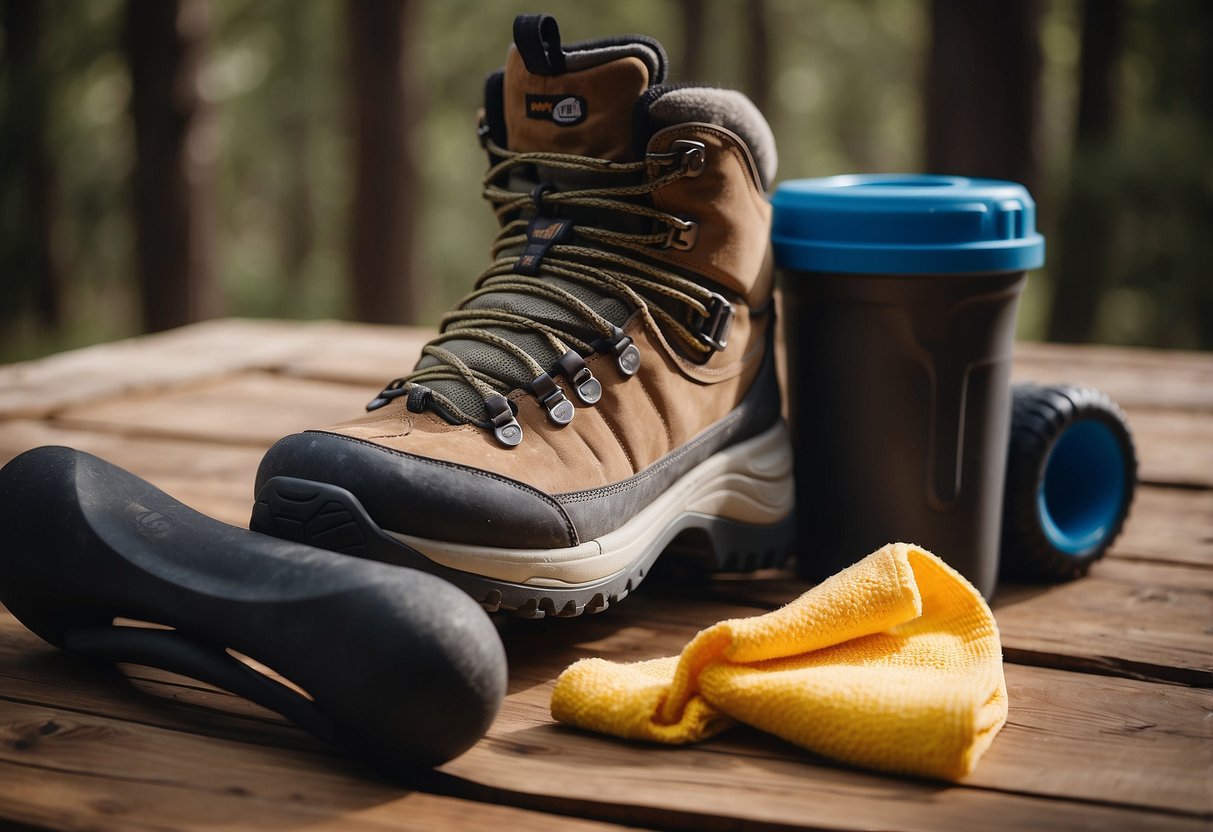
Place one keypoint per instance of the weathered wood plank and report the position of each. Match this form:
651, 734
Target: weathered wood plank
68, 771
1169, 525
1094, 750
1142, 620
33, 672
1138, 378
215, 479
1173, 448
150, 362
1059, 719
250, 409
1069, 736
1107, 741
751, 780
369, 355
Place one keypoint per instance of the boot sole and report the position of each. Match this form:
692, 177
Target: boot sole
732, 513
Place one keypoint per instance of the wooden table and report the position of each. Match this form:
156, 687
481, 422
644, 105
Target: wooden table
1110, 721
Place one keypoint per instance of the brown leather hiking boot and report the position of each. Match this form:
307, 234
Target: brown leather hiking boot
609, 385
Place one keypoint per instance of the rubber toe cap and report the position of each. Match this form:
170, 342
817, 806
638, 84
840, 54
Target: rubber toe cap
423, 497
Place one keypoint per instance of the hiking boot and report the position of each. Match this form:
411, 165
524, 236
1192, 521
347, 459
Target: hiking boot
609, 386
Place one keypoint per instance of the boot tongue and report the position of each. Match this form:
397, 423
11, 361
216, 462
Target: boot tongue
578, 101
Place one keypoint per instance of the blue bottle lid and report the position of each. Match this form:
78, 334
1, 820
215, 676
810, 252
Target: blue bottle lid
905, 224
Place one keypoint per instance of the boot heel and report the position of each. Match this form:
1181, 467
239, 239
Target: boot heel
744, 548
719, 545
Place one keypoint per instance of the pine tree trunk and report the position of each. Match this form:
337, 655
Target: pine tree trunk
387, 106
983, 90
33, 279
297, 206
758, 52
691, 68
1086, 225
166, 44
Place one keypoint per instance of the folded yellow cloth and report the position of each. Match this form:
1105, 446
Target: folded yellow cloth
894, 664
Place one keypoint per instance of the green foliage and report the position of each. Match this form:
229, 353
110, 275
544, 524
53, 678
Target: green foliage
844, 97
88, 138
1158, 173
277, 80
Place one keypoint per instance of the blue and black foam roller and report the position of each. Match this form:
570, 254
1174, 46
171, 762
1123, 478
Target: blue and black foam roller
1071, 473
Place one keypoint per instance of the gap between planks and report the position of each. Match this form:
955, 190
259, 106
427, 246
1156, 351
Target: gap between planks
1149, 738
48, 797
1182, 448
191, 353
556, 770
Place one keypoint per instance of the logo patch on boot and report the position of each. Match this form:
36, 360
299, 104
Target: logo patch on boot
565, 110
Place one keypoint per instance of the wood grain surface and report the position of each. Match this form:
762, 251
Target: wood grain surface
1110, 677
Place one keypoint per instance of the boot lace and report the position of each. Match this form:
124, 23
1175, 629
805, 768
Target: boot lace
552, 241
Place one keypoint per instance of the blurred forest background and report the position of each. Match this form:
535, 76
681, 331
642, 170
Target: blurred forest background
163, 161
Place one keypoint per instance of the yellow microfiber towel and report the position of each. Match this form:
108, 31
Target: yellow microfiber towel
894, 664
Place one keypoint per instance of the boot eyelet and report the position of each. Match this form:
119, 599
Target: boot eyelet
560, 409
628, 359
627, 354
714, 330
505, 424
683, 234
589, 389
573, 367
693, 156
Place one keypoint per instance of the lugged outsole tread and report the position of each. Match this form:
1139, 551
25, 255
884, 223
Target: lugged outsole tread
331, 518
